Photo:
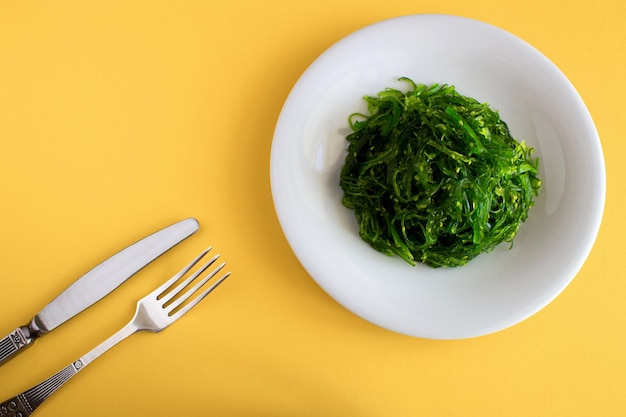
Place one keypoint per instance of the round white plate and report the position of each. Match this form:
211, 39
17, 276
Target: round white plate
495, 290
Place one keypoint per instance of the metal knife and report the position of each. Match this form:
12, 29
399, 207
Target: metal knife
96, 284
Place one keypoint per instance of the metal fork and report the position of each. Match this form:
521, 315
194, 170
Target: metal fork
155, 312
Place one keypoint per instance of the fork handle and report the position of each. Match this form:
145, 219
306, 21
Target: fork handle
24, 404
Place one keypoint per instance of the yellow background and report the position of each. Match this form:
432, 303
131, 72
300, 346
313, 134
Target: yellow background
120, 117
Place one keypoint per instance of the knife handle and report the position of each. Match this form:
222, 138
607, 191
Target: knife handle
14, 342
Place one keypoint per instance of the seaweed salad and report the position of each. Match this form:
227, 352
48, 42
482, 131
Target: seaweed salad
436, 177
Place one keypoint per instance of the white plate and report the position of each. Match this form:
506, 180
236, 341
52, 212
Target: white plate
495, 290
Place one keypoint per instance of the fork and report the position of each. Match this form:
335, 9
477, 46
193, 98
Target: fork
155, 312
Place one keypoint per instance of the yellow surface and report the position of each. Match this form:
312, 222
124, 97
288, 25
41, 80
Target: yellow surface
119, 117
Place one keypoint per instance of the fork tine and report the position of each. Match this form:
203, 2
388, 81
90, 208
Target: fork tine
167, 284
195, 288
181, 286
199, 298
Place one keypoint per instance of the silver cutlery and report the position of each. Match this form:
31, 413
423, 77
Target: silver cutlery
94, 285
155, 312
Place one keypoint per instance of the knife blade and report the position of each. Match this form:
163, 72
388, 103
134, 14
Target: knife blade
96, 284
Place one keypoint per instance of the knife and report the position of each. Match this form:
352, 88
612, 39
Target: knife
95, 285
